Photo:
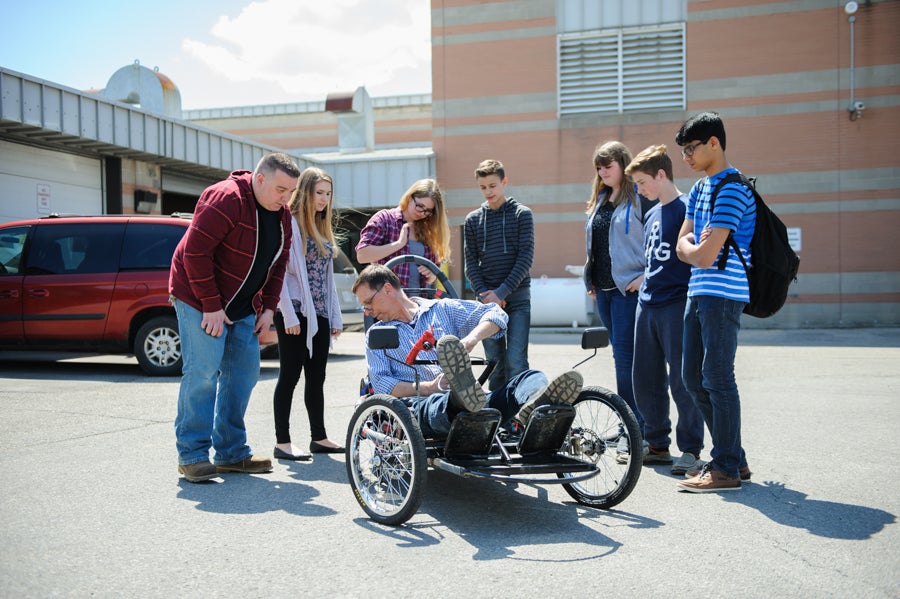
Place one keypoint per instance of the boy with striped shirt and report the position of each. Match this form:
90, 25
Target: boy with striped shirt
716, 299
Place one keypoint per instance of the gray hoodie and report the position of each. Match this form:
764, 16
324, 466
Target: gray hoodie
500, 249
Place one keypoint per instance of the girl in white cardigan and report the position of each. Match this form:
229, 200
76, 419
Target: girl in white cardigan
308, 316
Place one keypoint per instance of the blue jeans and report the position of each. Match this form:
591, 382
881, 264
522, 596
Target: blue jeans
511, 351
711, 326
617, 313
218, 376
658, 342
431, 411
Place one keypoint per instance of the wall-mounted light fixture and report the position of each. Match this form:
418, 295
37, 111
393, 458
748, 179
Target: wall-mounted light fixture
856, 107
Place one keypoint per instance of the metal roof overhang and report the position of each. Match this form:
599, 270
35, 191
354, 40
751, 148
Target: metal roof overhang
43, 113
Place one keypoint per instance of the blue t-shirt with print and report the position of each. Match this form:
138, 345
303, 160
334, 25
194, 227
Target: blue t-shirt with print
665, 277
735, 210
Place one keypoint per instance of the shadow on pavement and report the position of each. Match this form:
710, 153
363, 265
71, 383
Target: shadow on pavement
821, 518
501, 523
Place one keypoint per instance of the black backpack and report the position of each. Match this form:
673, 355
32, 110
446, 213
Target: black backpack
775, 264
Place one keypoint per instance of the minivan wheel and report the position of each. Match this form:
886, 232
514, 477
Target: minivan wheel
157, 346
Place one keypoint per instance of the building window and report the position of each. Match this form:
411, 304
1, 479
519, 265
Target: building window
619, 70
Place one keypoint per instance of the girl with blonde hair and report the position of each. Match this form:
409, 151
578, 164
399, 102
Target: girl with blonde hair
418, 226
309, 314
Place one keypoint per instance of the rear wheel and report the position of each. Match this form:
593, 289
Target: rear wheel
157, 346
606, 433
386, 460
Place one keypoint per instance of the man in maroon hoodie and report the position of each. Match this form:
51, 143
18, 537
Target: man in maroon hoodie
224, 283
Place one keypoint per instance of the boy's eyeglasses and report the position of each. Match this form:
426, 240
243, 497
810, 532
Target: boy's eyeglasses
688, 151
421, 209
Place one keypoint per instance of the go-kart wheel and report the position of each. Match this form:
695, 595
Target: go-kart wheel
605, 432
386, 463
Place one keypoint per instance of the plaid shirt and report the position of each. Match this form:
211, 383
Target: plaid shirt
448, 317
384, 228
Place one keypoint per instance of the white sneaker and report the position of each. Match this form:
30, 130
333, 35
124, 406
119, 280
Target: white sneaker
686, 462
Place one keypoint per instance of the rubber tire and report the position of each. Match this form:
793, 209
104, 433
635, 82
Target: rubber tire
600, 411
375, 462
157, 347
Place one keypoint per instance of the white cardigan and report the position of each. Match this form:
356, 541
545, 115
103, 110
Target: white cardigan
296, 287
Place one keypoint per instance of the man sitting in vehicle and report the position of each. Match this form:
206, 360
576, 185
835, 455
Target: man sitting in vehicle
458, 326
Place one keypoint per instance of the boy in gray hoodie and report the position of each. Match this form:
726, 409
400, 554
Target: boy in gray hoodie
499, 248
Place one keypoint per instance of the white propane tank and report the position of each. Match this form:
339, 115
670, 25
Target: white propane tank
560, 301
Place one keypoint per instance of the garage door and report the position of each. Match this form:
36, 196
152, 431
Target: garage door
36, 182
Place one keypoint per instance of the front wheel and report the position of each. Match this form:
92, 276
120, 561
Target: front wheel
386, 460
606, 433
157, 346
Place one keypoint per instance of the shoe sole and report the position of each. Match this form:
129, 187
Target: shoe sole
197, 479
457, 368
652, 460
563, 390
691, 489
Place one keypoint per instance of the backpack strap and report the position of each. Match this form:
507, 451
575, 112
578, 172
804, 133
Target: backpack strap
730, 243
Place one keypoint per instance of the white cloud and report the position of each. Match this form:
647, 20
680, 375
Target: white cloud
307, 49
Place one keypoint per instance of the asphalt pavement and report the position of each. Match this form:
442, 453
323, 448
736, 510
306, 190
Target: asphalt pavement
92, 504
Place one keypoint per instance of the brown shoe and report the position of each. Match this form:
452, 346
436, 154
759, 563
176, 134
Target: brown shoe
251, 465
695, 471
710, 480
198, 471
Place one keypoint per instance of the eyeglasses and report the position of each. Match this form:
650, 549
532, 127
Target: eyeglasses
367, 305
421, 209
688, 151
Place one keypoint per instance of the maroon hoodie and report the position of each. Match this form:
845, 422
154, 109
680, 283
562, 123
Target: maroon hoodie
215, 256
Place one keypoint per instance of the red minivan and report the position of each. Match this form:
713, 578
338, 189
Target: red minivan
93, 284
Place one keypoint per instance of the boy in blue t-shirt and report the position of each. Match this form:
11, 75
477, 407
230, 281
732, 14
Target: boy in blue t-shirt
716, 299
660, 318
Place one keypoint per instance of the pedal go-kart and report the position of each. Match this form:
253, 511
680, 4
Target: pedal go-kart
573, 445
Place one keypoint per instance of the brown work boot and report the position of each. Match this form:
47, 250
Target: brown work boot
251, 465
198, 471
709, 480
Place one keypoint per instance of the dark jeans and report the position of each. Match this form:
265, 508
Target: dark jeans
293, 358
711, 326
431, 411
617, 313
657, 343
510, 352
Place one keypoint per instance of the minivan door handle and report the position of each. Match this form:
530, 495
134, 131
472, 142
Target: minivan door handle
9, 294
38, 292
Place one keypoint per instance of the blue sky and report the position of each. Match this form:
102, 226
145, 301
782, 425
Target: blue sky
226, 52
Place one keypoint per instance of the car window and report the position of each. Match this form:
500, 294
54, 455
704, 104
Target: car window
149, 246
75, 248
342, 264
12, 241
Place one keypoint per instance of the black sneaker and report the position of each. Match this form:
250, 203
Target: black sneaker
564, 389
465, 392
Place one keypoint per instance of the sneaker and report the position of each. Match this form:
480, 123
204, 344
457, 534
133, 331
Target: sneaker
695, 471
564, 389
657, 456
198, 471
686, 462
622, 452
251, 465
709, 480
465, 392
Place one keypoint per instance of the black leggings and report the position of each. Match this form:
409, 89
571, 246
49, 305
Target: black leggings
293, 358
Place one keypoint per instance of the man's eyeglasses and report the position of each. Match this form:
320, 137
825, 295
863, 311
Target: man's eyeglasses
367, 305
421, 209
688, 151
